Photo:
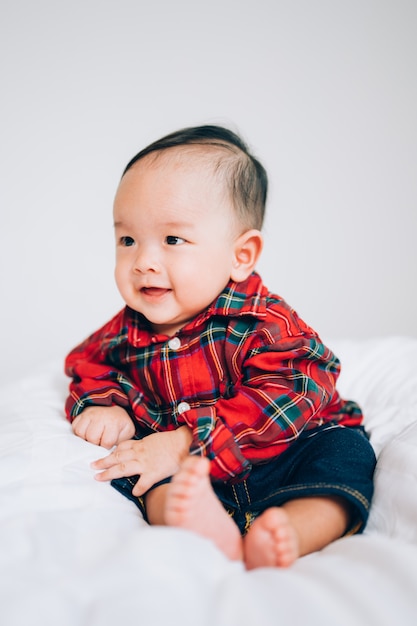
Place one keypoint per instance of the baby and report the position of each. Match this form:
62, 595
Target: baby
219, 401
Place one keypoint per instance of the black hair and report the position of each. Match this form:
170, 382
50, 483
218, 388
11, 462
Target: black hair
246, 178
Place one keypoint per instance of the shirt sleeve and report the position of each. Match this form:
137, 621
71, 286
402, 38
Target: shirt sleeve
95, 381
283, 387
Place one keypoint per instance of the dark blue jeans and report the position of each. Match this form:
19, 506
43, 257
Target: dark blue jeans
328, 461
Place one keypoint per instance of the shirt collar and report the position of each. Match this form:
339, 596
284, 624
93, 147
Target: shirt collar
236, 300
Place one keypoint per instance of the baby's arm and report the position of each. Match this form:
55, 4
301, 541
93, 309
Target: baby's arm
154, 458
106, 426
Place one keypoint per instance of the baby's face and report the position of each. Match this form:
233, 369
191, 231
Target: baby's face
175, 240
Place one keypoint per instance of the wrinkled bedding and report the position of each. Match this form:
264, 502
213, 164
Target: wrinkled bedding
74, 552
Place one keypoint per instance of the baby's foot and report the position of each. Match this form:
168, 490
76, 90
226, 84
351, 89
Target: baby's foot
272, 541
192, 504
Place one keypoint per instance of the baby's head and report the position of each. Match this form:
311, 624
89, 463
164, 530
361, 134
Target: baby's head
228, 159
188, 214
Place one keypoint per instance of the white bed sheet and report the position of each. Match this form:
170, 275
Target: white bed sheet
73, 551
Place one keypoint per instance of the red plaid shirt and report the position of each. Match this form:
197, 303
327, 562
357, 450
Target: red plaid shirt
247, 376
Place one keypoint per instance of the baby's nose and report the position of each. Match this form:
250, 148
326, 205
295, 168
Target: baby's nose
147, 260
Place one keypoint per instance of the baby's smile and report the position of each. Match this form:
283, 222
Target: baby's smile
154, 292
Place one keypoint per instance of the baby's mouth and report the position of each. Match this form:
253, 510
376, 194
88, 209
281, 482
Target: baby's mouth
154, 292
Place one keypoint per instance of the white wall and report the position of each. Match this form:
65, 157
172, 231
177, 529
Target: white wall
325, 91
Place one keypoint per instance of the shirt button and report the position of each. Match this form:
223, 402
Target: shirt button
182, 407
174, 343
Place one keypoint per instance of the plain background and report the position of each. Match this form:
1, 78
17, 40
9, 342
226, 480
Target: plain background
324, 91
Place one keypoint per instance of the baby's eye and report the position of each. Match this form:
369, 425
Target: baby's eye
174, 241
127, 241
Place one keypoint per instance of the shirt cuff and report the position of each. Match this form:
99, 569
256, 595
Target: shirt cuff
213, 439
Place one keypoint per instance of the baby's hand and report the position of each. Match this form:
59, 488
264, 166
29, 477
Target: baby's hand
104, 425
154, 458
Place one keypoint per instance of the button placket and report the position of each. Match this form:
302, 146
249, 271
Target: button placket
174, 344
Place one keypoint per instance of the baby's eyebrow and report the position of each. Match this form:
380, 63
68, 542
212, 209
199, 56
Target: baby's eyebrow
178, 224
171, 224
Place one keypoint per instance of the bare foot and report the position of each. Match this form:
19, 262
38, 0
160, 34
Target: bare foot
192, 504
272, 541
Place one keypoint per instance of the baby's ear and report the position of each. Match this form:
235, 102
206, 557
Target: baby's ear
248, 248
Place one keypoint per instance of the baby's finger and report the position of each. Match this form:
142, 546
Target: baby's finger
109, 438
144, 483
94, 433
118, 471
79, 427
103, 463
120, 454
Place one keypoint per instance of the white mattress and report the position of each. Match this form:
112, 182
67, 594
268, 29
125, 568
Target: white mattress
73, 551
